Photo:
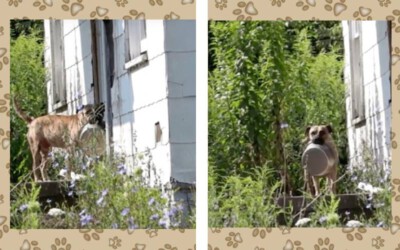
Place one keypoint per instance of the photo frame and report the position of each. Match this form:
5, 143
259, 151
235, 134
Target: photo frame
73, 239
319, 238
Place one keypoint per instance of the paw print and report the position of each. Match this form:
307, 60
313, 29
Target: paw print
394, 227
43, 4
378, 242
211, 248
114, 242
306, 4
395, 53
262, 233
1, 196
154, 2
168, 247
384, 3
60, 244
363, 13
75, 8
4, 108
95, 235
139, 247
395, 20
3, 59
234, 239
337, 8
171, 16
1, 30
248, 9
277, 2
134, 14
5, 142
26, 245
121, 3
14, 2
152, 232
396, 196
1, 85
3, 228
100, 12
357, 233
259, 248
323, 243
396, 82
216, 230
285, 229
296, 245
221, 4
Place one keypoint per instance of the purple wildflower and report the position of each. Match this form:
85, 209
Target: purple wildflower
154, 217
85, 219
323, 219
104, 192
125, 211
162, 223
100, 200
131, 223
122, 169
151, 201
23, 207
114, 226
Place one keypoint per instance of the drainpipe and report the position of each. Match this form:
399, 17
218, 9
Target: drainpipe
105, 79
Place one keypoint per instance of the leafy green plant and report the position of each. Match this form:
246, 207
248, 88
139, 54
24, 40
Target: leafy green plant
266, 85
28, 78
107, 195
25, 208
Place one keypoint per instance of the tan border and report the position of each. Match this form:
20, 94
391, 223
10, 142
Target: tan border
317, 238
77, 239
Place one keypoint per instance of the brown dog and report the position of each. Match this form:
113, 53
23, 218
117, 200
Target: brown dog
321, 135
49, 131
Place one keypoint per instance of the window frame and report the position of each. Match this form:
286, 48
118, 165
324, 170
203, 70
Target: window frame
134, 61
356, 73
58, 78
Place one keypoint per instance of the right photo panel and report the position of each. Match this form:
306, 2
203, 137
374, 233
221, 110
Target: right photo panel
299, 128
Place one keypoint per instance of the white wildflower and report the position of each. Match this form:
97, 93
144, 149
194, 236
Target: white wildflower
55, 212
354, 223
63, 173
302, 222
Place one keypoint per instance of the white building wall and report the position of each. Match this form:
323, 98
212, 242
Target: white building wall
161, 91
77, 62
180, 44
376, 81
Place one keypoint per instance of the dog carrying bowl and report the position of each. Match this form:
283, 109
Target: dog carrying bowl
317, 159
93, 140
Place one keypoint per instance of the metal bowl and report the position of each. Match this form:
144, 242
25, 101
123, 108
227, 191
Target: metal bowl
93, 140
317, 159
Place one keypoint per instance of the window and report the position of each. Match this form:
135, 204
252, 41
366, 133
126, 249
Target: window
135, 43
356, 69
57, 64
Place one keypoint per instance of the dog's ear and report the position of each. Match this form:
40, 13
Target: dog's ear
307, 131
80, 108
329, 128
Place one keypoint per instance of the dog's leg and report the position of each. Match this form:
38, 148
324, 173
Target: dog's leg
332, 182
35, 160
315, 180
44, 164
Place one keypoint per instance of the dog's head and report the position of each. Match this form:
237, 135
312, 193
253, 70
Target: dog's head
90, 113
318, 134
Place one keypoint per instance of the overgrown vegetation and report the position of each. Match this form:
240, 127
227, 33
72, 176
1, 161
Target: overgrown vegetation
28, 79
267, 82
104, 192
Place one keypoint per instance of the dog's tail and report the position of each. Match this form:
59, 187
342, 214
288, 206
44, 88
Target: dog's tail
20, 113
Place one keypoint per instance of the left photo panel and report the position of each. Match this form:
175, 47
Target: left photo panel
103, 124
